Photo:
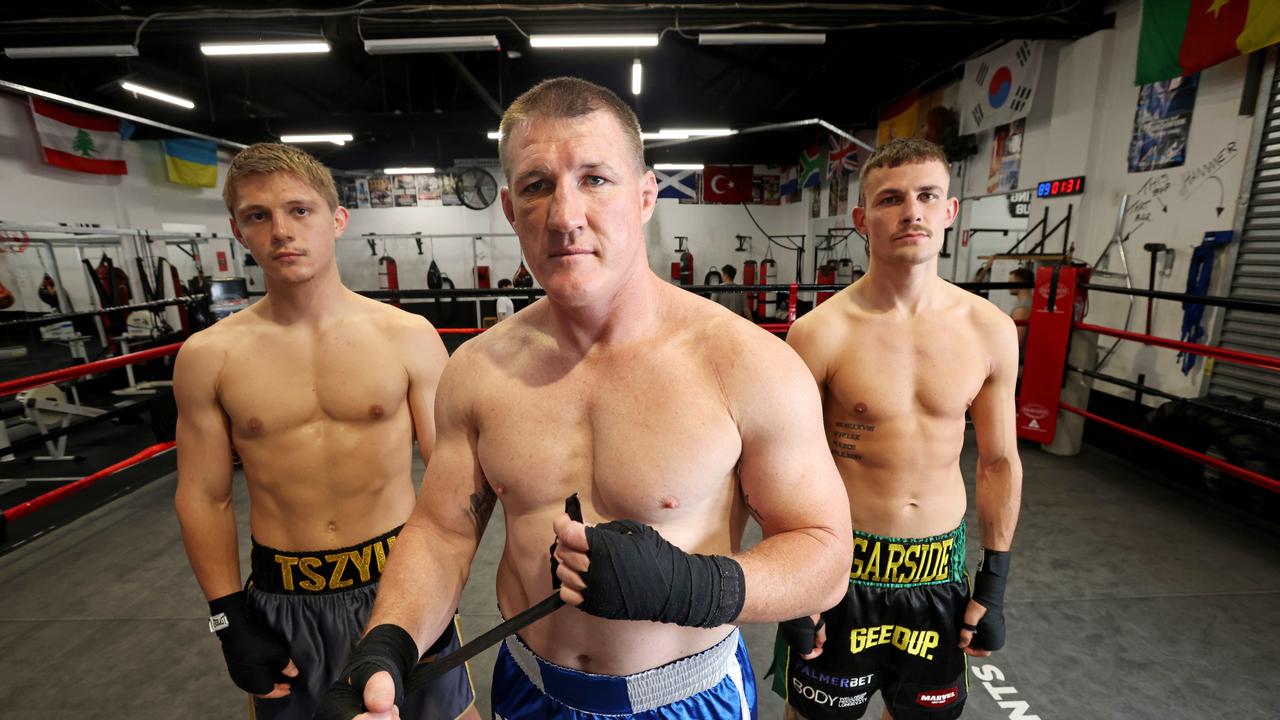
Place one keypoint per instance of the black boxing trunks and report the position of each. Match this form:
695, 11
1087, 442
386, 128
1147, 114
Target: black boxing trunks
896, 631
320, 602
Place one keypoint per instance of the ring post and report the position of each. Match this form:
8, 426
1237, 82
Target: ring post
1048, 334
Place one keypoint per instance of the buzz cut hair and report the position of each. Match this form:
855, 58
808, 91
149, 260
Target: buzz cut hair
897, 152
569, 98
269, 158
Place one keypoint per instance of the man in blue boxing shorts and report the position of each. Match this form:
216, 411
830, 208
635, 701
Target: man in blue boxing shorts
669, 416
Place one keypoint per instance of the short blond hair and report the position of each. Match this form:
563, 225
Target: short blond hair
268, 158
897, 152
566, 98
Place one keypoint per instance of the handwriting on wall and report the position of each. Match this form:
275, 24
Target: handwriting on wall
1201, 175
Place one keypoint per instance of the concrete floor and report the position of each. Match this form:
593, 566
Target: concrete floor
1127, 600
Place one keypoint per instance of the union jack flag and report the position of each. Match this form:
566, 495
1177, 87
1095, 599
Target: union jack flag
843, 158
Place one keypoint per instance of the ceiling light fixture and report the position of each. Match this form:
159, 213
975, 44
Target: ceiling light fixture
686, 133
678, 166
156, 94
71, 51
637, 72
265, 48
762, 38
459, 43
409, 171
335, 138
593, 41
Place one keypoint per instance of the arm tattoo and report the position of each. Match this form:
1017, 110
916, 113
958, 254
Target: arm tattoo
481, 507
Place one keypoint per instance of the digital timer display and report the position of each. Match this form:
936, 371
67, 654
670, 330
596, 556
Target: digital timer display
1065, 186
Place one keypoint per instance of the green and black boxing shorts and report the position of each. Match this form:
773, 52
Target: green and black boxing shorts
896, 631
320, 603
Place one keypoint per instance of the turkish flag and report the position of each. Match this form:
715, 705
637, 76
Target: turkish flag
726, 184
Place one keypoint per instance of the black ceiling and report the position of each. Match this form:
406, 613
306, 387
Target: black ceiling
432, 108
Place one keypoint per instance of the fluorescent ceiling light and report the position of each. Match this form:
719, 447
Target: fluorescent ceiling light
335, 138
264, 48
69, 51
493, 135
156, 94
762, 38
410, 171
399, 46
685, 133
593, 41
637, 71
678, 166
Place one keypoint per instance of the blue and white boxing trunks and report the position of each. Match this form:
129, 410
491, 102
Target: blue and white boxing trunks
715, 683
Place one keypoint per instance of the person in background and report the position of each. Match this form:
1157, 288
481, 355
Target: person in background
506, 307
735, 301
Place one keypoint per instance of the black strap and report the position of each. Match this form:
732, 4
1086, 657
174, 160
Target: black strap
424, 674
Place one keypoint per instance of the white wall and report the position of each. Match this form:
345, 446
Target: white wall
1092, 125
35, 193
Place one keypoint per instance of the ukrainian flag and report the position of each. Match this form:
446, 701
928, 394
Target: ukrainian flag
191, 161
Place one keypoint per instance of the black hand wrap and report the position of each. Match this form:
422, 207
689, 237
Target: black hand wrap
387, 647
988, 590
572, 508
635, 574
255, 655
802, 633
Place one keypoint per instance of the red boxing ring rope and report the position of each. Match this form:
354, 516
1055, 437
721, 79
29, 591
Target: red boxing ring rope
53, 496
1265, 362
1236, 470
13, 387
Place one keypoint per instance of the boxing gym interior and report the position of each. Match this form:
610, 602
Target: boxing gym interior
1117, 169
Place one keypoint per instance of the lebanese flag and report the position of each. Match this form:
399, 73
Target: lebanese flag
726, 184
1180, 37
79, 141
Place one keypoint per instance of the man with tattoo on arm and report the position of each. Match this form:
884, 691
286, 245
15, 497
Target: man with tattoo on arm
669, 416
900, 356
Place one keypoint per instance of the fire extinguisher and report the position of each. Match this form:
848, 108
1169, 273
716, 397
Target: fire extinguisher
389, 276
749, 278
826, 276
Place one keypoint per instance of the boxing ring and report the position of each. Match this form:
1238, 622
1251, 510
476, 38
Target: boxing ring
1120, 603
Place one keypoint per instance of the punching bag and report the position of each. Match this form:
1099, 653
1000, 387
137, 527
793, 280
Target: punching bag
844, 272
749, 278
675, 272
768, 275
826, 276
389, 275
482, 276
523, 278
433, 276
713, 277
6, 298
686, 268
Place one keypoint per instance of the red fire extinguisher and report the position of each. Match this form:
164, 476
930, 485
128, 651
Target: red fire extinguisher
826, 276
390, 277
749, 278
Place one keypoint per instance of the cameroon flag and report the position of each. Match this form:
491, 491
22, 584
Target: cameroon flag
1180, 37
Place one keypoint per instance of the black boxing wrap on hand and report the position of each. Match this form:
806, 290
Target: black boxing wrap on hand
988, 590
255, 656
802, 633
635, 574
386, 647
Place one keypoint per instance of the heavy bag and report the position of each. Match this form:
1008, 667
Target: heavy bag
749, 278
433, 276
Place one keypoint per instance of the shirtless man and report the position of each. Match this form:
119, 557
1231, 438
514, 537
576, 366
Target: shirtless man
900, 357
321, 391
654, 405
